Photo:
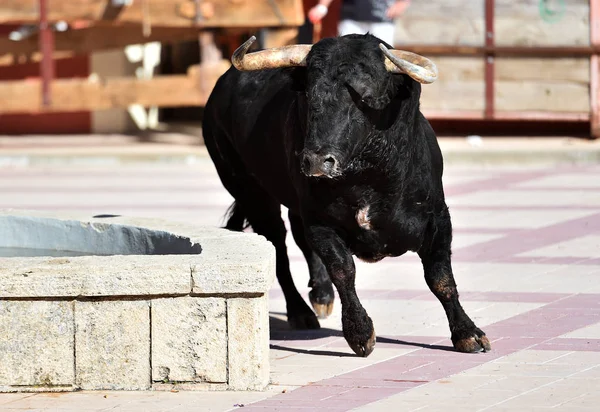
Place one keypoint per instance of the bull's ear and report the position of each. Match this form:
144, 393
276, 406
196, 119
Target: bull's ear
297, 78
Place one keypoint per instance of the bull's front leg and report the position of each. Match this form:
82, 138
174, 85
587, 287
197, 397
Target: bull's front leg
435, 256
337, 258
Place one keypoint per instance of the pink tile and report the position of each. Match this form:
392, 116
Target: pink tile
515, 243
508, 336
551, 260
366, 395
357, 381
308, 404
313, 392
530, 297
504, 180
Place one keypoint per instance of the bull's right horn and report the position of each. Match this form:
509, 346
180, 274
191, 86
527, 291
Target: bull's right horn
416, 66
287, 56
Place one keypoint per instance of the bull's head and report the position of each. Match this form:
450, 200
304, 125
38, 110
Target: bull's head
347, 91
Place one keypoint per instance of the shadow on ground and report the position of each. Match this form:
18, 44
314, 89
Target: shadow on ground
281, 331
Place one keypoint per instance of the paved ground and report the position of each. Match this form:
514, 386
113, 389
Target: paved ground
527, 263
184, 147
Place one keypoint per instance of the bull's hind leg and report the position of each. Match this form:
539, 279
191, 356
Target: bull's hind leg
435, 255
321, 295
254, 205
264, 215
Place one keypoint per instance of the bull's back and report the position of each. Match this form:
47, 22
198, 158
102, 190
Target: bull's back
247, 118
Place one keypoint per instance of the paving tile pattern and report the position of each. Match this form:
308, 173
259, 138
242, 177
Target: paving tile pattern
527, 264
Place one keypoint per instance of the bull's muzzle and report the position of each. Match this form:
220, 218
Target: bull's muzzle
319, 165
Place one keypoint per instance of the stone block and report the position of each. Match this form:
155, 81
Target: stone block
189, 340
248, 326
36, 344
112, 343
242, 264
93, 276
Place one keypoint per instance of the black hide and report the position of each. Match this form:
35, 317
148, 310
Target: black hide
342, 144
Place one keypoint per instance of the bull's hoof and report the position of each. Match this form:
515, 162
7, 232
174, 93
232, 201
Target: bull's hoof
321, 298
304, 321
359, 333
364, 349
475, 342
323, 311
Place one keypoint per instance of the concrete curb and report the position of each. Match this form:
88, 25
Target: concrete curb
102, 157
515, 157
456, 151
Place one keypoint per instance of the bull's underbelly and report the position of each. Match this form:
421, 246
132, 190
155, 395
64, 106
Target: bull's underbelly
370, 252
372, 245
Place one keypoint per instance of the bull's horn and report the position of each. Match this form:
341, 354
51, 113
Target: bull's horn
418, 67
287, 56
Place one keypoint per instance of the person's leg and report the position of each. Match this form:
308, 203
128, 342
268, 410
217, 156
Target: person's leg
385, 31
350, 27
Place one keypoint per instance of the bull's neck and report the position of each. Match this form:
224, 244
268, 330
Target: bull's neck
393, 146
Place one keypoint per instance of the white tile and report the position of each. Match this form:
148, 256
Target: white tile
566, 180
589, 332
582, 247
460, 240
513, 219
524, 198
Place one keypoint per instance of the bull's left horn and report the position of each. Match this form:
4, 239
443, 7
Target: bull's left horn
418, 67
286, 56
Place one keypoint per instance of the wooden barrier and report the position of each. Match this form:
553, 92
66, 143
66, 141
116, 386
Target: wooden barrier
497, 59
166, 13
507, 59
108, 24
193, 89
93, 38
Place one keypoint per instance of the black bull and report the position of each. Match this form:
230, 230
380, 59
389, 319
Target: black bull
334, 133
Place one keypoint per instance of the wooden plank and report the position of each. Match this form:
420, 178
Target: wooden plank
82, 95
528, 23
503, 51
576, 70
460, 86
541, 96
10, 59
443, 22
553, 85
280, 37
174, 13
24, 96
83, 41
517, 23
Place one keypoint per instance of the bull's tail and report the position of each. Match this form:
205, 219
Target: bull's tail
236, 218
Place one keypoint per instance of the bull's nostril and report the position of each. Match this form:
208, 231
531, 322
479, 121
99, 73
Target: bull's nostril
329, 162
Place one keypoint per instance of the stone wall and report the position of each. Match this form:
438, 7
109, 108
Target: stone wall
139, 322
